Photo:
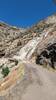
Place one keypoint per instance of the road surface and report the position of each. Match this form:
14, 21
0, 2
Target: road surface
43, 86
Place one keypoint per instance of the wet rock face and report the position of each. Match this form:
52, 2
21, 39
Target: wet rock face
48, 56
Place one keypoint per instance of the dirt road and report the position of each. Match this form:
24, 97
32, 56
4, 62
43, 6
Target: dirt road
44, 84
38, 83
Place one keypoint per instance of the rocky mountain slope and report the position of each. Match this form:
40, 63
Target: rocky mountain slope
9, 39
18, 47
13, 38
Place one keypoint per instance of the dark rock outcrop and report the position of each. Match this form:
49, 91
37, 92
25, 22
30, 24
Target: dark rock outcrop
50, 54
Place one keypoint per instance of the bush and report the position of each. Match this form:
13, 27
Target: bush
5, 71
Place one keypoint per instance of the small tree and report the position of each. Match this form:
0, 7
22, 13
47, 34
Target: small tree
5, 71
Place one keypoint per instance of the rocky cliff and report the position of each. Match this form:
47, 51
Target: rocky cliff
19, 45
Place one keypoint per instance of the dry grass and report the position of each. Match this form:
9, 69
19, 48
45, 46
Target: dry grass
11, 79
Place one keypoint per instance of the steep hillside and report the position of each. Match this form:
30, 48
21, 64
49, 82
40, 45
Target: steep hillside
9, 39
13, 38
23, 52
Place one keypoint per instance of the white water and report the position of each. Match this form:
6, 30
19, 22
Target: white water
29, 48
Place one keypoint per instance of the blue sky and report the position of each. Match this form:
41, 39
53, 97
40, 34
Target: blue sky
24, 13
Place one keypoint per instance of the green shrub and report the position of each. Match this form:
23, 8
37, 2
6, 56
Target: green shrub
5, 71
